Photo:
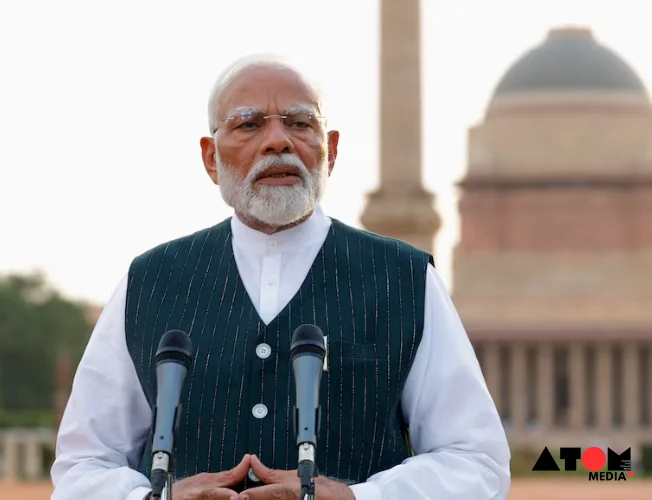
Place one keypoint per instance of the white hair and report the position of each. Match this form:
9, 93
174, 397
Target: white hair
255, 61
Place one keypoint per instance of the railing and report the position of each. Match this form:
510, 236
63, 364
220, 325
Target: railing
23, 452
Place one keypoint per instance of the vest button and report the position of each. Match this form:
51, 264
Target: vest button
253, 476
259, 411
263, 351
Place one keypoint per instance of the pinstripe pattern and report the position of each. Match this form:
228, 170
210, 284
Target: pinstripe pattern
364, 291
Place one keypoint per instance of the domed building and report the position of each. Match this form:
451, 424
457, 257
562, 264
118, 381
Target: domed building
553, 270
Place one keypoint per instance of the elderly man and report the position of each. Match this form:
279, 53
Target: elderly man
406, 412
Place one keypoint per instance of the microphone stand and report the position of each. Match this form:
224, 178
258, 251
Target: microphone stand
167, 491
306, 471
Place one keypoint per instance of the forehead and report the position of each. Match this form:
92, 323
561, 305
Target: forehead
269, 89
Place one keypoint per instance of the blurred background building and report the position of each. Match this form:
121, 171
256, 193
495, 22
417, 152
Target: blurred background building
552, 272
553, 268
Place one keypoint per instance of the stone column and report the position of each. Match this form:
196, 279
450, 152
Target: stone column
519, 387
631, 389
603, 385
11, 445
577, 370
33, 458
400, 94
491, 361
401, 207
546, 392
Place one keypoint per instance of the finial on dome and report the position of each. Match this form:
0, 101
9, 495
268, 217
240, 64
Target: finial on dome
570, 30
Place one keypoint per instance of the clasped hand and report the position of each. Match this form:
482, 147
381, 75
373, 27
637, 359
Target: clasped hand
277, 485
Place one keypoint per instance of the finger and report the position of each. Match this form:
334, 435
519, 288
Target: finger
218, 494
244, 464
265, 474
235, 475
267, 492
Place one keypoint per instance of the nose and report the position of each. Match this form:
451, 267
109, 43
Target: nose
276, 139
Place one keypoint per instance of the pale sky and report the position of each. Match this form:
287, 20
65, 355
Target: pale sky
102, 105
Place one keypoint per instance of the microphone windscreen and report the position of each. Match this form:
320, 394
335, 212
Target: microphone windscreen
307, 339
175, 345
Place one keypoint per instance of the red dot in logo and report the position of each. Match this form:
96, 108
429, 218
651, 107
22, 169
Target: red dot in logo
594, 459
630, 473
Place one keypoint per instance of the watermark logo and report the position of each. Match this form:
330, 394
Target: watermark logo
593, 459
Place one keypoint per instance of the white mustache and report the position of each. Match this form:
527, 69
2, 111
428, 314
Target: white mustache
273, 205
282, 160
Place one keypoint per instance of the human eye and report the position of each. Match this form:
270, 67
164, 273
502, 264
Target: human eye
248, 125
300, 120
247, 121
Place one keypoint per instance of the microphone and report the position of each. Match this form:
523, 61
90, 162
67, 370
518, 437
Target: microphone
173, 359
307, 352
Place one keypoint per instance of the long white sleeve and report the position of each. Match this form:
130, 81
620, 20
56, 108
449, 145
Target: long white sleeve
107, 419
461, 448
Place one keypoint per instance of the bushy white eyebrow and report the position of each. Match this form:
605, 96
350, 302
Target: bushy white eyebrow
296, 108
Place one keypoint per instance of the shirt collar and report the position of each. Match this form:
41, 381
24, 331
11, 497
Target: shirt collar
246, 238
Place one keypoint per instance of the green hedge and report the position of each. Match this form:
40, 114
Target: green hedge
646, 460
31, 418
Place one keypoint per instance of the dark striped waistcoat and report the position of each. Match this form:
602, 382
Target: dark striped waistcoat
364, 291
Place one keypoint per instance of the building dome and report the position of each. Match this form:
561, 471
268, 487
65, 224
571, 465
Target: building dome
570, 61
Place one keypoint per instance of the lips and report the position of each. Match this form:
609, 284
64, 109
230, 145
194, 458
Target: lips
278, 172
279, 176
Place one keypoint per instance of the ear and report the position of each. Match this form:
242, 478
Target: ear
208, 156
333, 140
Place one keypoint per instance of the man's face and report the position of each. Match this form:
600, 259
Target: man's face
269, 168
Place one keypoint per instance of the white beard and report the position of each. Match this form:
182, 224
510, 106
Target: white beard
273, 205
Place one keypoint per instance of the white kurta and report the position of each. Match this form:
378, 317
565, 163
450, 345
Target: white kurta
461, 448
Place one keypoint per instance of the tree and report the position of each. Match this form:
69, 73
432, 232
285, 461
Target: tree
37, 324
